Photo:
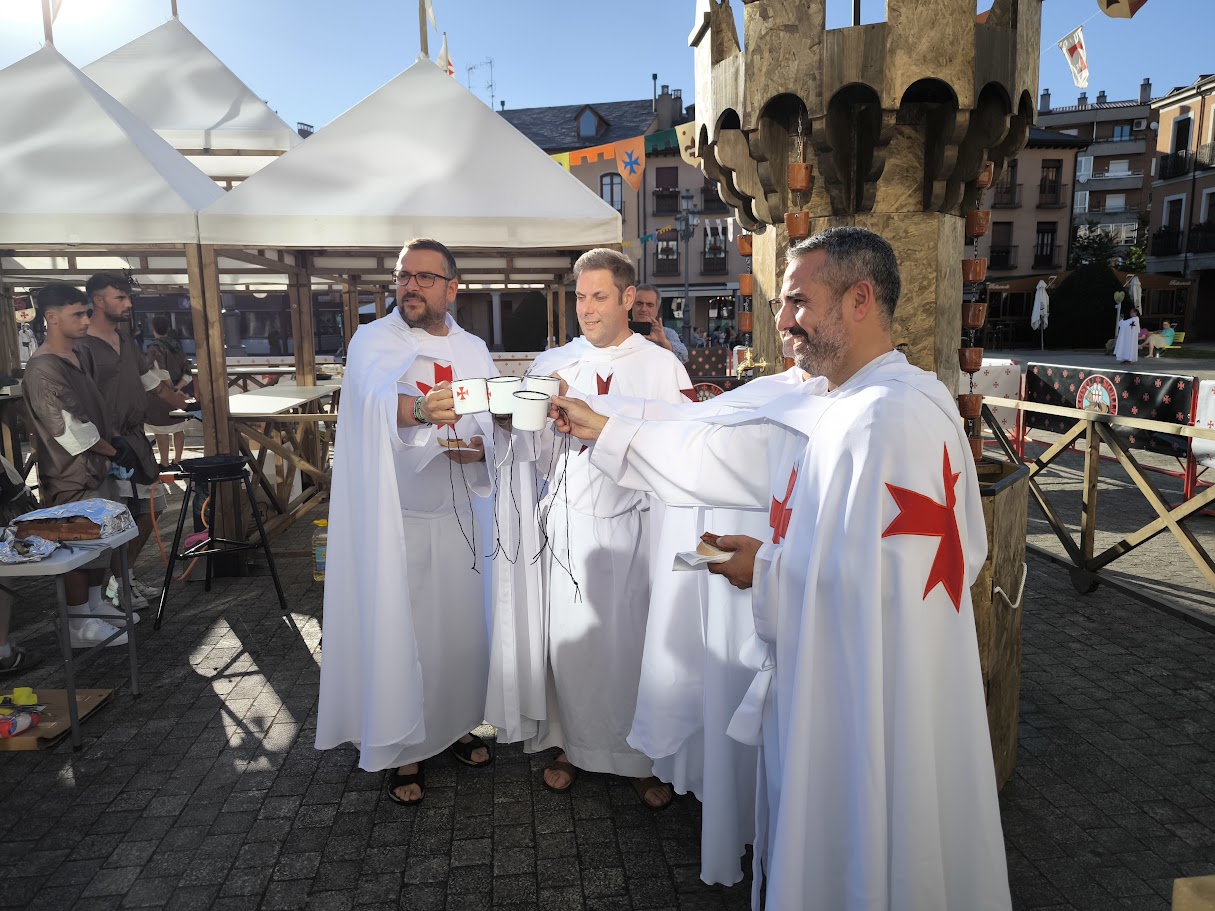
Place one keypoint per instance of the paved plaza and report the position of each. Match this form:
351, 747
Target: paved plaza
206, 792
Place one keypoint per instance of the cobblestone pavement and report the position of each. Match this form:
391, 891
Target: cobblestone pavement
206, 791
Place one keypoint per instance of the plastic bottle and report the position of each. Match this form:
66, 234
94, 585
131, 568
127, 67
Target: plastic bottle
320, 545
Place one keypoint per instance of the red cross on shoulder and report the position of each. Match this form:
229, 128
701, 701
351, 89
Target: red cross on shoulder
443, 373
780, 513
924, 516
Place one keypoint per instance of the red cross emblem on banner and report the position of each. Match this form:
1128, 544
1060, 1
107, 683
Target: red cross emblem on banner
442, 374
780, 514
921, 515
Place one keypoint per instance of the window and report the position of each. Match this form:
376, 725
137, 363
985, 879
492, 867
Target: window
1174, 212
1181, 133
1115, 202
666, 178
588, 125
1122, 132
1128, 234
666, 193
1044, 245
1051, 169
1081, 202
611, 191
1084, 168
1208, 206
1119, 166
666, 257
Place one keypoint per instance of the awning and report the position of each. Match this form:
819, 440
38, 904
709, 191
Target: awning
1156, 282
1028, 284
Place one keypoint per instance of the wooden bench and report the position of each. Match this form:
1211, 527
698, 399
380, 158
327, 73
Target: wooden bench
1178, 338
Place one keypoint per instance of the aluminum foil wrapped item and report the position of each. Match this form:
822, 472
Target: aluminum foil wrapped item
110, 518
29, 550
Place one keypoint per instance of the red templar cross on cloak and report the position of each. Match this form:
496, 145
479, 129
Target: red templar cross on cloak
442, 374
921, 515
780, 514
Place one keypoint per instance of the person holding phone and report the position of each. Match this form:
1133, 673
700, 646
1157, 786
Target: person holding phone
644, 320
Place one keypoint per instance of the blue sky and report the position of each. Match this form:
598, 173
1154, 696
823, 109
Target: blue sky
312, 59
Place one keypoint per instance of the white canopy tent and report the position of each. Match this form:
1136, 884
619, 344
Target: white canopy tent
175, 84
420, 156
76, 167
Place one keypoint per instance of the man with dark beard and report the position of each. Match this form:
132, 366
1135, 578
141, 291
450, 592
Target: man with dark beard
878, 782
405, 663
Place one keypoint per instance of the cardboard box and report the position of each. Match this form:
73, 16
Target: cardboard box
55, 723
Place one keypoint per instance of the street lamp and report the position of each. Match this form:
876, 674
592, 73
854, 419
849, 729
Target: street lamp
686, 222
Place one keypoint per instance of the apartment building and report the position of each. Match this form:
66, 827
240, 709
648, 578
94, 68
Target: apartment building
1112, 190
1182, 225
708, 261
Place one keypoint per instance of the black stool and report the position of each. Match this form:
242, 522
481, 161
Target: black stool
212, 471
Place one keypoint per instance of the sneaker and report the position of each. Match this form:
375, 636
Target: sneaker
86, 633
111, 594
17, 661
113, 614
144, 590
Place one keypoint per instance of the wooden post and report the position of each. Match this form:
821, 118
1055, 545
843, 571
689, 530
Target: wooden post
380, 293
548, 297
1092, 477
303, 326
10, 346
425, 38
350, 308
212, 379
173, 3
561, 334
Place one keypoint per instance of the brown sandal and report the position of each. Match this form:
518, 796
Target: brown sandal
561, 765
644, 785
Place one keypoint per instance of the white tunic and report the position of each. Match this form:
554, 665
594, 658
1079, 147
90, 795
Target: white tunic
405, 650
880, 788
596, 567
1126, 347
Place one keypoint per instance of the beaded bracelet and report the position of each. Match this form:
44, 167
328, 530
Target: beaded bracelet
417, 411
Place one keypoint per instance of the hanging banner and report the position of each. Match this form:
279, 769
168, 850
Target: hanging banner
1077, 57
630, 161
661, 141
1120, 9
444, 61
562, 158
687, 143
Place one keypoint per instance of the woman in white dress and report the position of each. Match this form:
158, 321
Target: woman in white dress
1126, 348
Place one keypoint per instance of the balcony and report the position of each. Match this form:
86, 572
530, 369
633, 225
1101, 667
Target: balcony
1206, 156
1006, 196
666, 202
711, 203
1100, 208
1202, 238
1166, 242
713, 262
666, 265
1052, 195
1047, 257
1002, 258
1179, 164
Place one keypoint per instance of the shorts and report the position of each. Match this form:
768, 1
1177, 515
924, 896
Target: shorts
110, 489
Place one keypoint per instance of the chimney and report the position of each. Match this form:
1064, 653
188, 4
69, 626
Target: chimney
1101, 97
1082, 101
1145, 91
304, 129
664, 113
1044, 102
678, 108
503, 103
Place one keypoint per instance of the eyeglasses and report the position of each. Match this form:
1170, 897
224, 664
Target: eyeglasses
424, 279
775, 304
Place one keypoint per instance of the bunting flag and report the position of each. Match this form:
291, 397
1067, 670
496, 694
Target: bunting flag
687, 143
630, 161
430, 14
444, 61
593, 154
1120, 9
1077, 57
562, 158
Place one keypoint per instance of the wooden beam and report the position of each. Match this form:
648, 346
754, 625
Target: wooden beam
548, 297
212, 387
350, 308
380, 303
561, 318
303, 327
254, 259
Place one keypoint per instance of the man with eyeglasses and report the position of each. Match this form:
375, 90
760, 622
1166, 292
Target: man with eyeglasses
868, 698
405, 663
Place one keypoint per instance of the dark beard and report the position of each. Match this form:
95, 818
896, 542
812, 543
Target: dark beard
426, 321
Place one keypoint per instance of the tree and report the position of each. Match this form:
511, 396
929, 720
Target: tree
1091, 246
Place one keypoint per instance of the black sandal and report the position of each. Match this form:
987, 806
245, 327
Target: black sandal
464, 751
398, 780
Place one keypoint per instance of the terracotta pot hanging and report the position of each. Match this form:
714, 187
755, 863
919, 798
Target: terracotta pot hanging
798, 175
744, 284
977, 222
976, 448
986, 176
744, 244
970, 405
797, 224
974, 315
744, 321
970, 359
974, 270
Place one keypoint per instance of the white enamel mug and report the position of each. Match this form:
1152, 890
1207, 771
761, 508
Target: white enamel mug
502, 391
531, 410
471, 396
549, 385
